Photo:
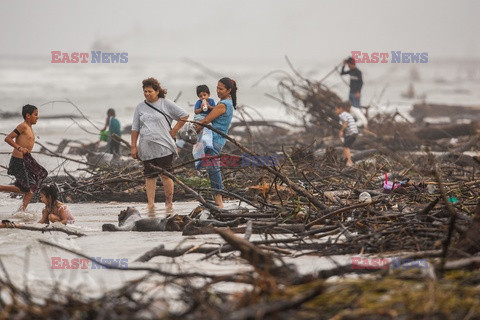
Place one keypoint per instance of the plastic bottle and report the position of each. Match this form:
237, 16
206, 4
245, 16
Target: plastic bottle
365, 197
204, 105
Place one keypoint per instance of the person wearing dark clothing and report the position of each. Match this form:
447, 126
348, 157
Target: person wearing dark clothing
356, 84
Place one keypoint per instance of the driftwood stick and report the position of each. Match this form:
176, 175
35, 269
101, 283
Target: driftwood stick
317, 221
429, 207
5, 224
75, 106
117, 138
300, 190
54, 154
259, 259
161, 251
331, 72
199, 197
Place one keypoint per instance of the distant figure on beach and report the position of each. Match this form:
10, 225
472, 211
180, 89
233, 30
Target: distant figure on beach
356, 83
27, 172
156, 146
220, 118
113, 125
348, 131
54, 211
202, 108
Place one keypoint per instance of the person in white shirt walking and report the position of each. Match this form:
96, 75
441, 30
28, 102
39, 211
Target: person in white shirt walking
348, 131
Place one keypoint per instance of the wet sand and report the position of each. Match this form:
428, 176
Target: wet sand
37, 270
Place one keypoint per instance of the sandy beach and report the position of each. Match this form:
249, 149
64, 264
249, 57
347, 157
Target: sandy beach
29, 263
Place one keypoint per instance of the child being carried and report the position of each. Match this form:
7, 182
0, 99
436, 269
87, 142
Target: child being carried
202, 108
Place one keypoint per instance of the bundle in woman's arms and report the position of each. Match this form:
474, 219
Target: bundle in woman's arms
188, 133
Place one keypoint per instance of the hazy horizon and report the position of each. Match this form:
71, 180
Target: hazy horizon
224, 29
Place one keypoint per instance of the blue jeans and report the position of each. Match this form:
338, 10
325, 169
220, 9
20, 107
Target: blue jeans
355, 102
214, 170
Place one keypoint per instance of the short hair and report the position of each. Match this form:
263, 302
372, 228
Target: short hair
111, 112
350, 60
344, 105
202, 88
28, 109
152, 82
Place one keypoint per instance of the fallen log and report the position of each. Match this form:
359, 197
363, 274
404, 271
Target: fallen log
262, 261
446, 131
455, 112
273, 228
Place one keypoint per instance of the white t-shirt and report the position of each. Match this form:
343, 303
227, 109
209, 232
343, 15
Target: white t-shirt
155, 140
351, 128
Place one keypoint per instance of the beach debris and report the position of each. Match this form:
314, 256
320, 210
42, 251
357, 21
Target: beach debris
324, 211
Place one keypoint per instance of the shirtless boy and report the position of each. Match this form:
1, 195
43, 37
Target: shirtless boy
22, 139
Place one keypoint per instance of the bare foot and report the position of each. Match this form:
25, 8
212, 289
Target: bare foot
151, 209
169, 209
349, 164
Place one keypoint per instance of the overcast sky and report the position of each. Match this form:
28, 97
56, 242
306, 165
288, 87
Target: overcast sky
301, 29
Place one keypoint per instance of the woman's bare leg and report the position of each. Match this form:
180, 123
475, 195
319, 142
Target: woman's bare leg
168, 189
151, 186
219, 200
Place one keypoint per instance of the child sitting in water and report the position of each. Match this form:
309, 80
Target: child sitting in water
55, 211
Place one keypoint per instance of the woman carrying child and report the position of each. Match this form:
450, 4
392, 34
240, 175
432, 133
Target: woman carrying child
220, 118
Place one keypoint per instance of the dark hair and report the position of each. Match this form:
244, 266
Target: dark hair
202, 88
350, 60
50, 191
111, 112
152, 82
345, 105
231, 84
28, 109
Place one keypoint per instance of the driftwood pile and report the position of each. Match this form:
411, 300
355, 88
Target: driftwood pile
309, 205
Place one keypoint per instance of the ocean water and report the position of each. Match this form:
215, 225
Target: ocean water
95, 88
29, 263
